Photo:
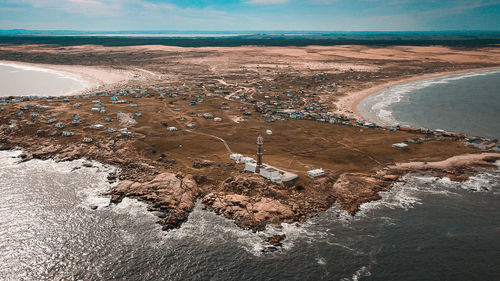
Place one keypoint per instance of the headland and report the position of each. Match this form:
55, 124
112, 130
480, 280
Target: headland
172, 133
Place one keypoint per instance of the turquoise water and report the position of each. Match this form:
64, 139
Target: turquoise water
468, 103
22, 80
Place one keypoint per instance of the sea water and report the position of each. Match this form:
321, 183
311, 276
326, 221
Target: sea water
424, 229
24, 80
467, 102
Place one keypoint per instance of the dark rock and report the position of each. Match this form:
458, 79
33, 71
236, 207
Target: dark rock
276, 240
200, 163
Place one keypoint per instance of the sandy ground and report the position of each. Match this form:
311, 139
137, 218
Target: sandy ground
357, 71
348, 104
455, 161
99, 78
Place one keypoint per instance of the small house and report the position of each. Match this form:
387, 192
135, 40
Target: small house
171, 129
97, 126
315, 173
401, 145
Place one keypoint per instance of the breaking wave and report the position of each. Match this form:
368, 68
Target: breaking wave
332, 245
377, 109
406, 194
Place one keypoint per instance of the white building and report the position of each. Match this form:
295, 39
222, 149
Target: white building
246, 159
315, 173
171, 129
271, 174
269, 132
251, 166
236, 157
98, 126
218, 119
400, 145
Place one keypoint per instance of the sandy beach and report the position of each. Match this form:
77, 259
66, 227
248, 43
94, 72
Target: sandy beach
98, 78
348, 104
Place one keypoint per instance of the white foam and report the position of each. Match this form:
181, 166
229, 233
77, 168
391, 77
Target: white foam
95, 176
376, 107
321, 261
364, 271
216, 229
405, 195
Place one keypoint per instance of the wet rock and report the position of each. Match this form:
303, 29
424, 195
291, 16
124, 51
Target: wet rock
174, 196
276, 240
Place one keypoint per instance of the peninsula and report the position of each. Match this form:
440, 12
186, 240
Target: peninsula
176, 115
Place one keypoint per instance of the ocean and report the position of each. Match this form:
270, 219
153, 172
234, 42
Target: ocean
24, 80
466, 102
424, 229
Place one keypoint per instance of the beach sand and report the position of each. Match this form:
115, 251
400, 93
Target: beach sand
99, 78
348, 104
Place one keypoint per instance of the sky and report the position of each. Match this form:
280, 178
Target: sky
234, 15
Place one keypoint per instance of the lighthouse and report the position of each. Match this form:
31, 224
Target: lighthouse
260, 142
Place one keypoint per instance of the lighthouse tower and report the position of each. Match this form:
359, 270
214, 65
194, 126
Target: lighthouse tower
260, 142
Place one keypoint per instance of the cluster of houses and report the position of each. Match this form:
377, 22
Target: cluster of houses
483, 144
97, 107
273, 104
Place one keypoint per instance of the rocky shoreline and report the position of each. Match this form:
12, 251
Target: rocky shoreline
251, 201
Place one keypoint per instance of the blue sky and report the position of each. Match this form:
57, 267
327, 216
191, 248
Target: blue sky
330, 15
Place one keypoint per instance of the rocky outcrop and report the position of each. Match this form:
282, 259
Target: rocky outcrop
352, 190
249, 212
171, 196
201, 163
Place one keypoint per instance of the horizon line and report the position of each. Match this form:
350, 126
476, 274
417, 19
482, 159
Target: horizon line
234, 31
